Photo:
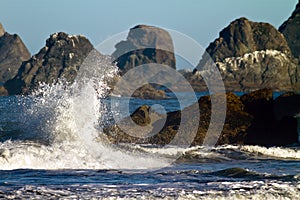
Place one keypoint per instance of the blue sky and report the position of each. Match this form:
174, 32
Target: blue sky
35, 20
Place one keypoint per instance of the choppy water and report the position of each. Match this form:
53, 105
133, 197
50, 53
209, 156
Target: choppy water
67, 169
228, 172
51, 147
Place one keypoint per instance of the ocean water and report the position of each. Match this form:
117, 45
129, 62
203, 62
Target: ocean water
52, 147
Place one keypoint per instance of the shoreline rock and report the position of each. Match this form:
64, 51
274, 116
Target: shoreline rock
250, 119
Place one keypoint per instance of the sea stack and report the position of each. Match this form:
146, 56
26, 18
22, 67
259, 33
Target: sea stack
12, 53
145, 44
251, 56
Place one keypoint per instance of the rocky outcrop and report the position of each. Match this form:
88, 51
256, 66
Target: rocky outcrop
251, 56
60, 58
12, 53
243, 36
287, 104
234, 130
250, 119
291, 31
266, 128
144, 44
142, 117
149, 92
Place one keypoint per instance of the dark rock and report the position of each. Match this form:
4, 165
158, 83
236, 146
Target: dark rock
259, 102
252, 56
287, 104
12, 53
171, 127
243, 36
236, 123
127, 134
144, 44
141, 116
266, 129
60, 58
291, 30
250, 119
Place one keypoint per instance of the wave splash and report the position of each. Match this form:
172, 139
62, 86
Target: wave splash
61, 126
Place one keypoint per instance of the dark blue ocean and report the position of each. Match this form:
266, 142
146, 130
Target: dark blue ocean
47, 151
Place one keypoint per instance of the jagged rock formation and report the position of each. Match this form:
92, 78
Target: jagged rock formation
144, 44
12, 53
291, 31
252, 56
60, 58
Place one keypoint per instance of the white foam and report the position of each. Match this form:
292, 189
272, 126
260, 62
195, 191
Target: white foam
243, 190
72, 155
67, 117
71, 55
276, 152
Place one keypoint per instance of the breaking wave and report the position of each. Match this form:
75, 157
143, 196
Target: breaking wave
61, 126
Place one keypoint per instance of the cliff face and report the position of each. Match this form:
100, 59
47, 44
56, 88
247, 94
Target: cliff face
12, 53
260, 69
60, 58
252, 56
291, 30
144, 44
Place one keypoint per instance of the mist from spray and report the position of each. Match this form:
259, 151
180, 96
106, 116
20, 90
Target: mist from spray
62, 126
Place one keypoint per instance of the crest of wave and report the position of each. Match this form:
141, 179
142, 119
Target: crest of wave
66, 120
